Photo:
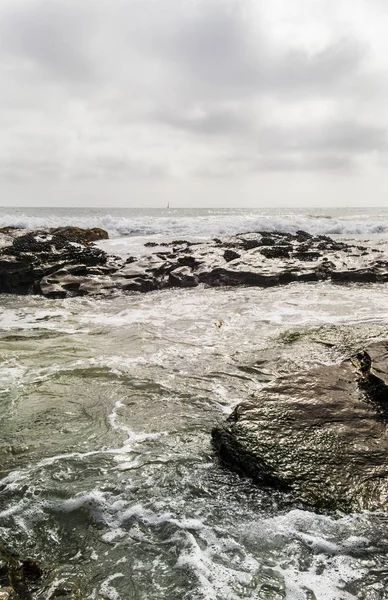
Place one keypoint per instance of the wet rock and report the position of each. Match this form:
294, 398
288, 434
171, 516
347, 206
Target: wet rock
303, 236
80, 236
277, 251
19, 578
63, 262
320, 435
183, 277
231, 255
31, 258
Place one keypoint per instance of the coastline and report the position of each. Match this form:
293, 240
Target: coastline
108, 405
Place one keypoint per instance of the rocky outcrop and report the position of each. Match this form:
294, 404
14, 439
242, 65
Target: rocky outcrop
65, 262
321, 435
55, 263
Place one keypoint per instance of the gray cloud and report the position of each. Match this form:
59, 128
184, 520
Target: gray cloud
164, 90
54, 36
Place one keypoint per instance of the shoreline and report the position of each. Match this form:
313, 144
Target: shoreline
65, 262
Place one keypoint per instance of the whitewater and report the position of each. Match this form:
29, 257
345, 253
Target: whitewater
107, 473
203, 223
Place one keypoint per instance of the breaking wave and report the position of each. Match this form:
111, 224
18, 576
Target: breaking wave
205, 223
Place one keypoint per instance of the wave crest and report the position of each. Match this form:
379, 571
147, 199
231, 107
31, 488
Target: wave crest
209, 225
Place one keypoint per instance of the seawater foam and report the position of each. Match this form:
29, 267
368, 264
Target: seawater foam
206, 225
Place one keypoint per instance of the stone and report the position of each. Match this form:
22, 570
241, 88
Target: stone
43, 262
79, 235
319, 435
183, 277
231, 255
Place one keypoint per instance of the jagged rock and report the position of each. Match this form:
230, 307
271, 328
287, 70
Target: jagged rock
80, 236
39, 261
231, 255
277, 252
321, 435
183, 277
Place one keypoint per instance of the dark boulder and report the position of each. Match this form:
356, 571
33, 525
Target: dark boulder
31, 257
79, 235
231, 255
182, 277
321, 435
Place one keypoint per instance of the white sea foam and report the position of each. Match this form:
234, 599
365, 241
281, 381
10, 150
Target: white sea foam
206, 225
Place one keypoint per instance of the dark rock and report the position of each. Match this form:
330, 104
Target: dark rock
34, 256
188, 261
138, 284
303, 236
183, 277
267, 241
64, 262
231, 255
320, 435
249, 244
277, 251
20, 577
354, 275
219, 277
8, 229
80, 236
307, 256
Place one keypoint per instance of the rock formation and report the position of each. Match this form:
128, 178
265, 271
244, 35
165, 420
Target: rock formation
321, 435
65, 262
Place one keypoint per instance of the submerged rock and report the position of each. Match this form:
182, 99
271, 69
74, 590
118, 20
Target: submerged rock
321, 435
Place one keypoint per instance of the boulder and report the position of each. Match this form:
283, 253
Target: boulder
79, 235
39, 261
182, 277
320, 435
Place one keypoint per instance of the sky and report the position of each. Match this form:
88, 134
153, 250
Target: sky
193, 102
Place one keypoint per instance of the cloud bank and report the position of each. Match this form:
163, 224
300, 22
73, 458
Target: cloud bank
197, 100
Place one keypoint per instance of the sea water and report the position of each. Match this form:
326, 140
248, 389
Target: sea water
108, 475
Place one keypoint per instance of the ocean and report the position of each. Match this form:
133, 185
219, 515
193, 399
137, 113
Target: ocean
108, 475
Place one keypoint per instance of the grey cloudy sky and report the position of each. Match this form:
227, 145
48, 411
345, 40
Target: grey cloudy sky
199, 102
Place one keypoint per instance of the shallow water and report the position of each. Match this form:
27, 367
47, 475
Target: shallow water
108, 473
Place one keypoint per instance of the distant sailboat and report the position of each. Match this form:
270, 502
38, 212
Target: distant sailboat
168, 205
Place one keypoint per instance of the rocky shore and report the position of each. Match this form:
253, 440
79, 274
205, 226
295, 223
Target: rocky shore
320, 435
63, 262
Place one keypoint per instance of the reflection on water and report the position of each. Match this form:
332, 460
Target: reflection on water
108, 474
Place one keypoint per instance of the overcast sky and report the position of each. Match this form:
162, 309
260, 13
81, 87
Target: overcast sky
196, 102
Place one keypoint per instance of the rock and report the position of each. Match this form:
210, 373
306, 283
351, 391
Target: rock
63, 262
277, 251
320, 435
80, 236
231, 255
182, 277
19, 577
40, 261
